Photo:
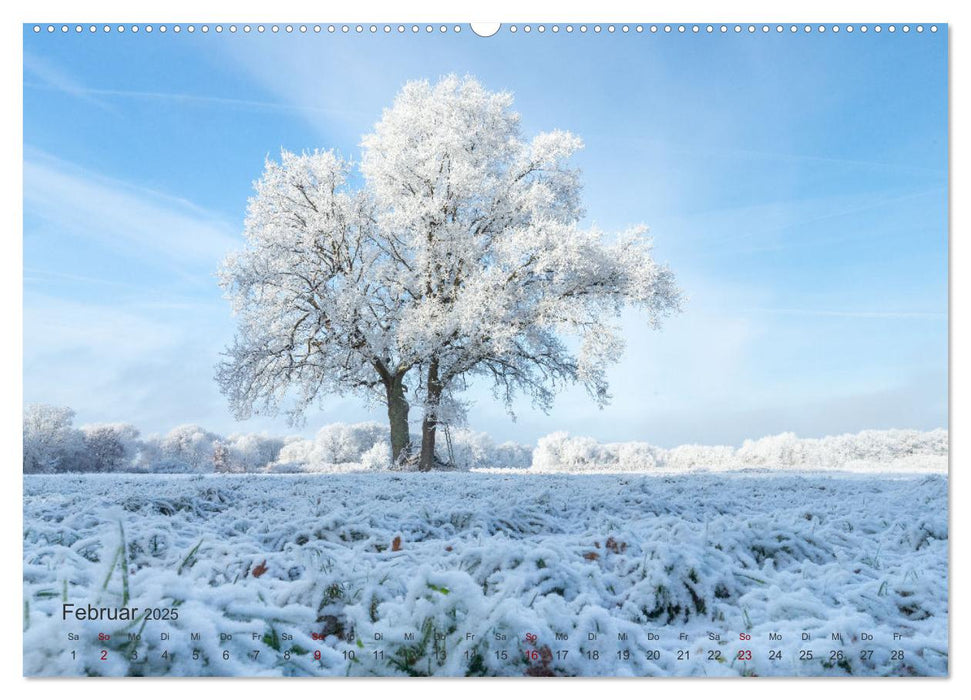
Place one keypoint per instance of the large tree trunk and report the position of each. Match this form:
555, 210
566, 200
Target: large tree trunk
398, 419
426, 460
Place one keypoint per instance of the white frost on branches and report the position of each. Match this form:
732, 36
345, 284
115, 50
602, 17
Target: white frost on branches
51, 443
458, 252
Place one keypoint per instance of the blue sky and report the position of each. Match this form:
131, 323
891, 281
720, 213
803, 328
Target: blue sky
796, 184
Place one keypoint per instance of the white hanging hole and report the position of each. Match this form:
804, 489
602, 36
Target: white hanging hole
485, 29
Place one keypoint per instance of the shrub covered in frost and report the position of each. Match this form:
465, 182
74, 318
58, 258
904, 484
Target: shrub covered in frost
346, 442
378, 457
109, 447
635, 456
560, 452
693, 457
472, 449
335, 447
294, 452
190, 445
251, 453
51, 443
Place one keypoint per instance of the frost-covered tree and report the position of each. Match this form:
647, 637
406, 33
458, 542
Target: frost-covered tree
474, 449
338, 443
342, 442
251, 453
220, 458
460, 254
187, 448
51, 443
110, 447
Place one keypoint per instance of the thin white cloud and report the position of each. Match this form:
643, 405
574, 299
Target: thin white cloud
47, 76
54, 78
771, 226
333, 88
759, 221
71, 200
108, 361
734, 154
842, 313
56, 329
181, 98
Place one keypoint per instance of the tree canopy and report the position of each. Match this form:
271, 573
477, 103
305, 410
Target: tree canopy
457, 252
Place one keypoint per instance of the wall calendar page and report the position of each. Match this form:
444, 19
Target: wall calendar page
521, 350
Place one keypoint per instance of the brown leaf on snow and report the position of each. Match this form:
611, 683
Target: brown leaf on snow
396, 544
259, 569
543, 668
615, 546
591, 556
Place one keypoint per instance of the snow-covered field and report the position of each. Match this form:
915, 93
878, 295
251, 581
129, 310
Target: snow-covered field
494, 574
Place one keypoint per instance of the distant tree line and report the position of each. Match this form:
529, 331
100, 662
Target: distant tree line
868, 450
53, 445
